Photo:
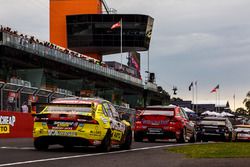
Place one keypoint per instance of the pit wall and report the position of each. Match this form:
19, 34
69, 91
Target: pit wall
15, 125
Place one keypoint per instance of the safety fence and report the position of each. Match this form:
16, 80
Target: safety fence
14, 96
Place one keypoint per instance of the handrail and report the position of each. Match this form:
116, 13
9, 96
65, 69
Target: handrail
21, 43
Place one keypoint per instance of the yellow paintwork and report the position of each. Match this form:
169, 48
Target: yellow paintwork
87, 131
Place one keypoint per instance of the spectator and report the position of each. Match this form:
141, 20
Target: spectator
25, 108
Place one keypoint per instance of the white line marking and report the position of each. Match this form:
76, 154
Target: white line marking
89, 155
18, 148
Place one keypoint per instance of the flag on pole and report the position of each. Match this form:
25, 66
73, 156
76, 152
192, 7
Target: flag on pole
215, 89
116, 25
190, 86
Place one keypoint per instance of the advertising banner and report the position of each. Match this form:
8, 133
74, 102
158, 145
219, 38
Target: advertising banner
15, 125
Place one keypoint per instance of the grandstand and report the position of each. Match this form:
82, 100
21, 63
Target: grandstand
34, 70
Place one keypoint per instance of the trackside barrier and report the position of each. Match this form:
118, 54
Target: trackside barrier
15, 125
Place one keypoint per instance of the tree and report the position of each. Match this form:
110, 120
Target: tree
246, 101
241, 111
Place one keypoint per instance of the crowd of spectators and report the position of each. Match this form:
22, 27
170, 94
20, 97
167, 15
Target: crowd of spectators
31, 39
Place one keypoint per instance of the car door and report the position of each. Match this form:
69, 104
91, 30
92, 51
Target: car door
105, 117
114, 124
189, 124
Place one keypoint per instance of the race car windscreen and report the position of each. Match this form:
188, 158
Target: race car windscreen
159, 112
212, 122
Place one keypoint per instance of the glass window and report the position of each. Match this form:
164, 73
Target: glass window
114, 112
94, 32
108, 110
213, 122
104, 111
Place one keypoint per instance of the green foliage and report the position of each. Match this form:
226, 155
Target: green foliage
242, 111
246, 101
176, 99
214, 150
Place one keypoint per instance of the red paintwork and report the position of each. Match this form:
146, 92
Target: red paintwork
167, 123
23, 125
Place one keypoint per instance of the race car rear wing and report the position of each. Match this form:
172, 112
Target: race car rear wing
38, 107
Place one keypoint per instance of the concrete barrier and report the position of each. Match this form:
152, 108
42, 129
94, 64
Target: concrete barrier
15, 125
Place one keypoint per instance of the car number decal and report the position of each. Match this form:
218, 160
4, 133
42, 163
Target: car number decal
117, 135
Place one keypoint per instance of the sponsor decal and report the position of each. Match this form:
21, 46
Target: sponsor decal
63, 124
7, 120
118, 125
62, 128
117, 135
5, 123
95, 132
61, 133
4, 129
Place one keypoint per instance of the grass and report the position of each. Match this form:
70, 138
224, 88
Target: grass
214, 150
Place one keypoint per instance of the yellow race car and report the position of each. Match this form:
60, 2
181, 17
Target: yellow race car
80, 122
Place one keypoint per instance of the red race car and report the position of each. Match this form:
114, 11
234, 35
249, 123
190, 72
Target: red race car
164, 122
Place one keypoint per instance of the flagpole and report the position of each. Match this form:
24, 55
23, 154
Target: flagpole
193, 98
234, 102
121, 43
218, 100
196, 88
215, 101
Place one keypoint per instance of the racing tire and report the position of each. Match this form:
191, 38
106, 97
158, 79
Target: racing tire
230, 137
138, 137
198, 138
67, 147
204, 139
106, 143
182, 138
193, 139
39, 145
236, 138
128, 141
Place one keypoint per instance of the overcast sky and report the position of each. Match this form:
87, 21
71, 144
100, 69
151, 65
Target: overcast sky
207, 41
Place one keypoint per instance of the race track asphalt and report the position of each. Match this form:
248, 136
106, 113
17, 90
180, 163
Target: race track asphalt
20, 152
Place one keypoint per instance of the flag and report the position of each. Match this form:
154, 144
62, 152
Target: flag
116, 25
190, 86
215, 89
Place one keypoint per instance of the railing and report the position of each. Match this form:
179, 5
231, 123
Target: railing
151, 86
21, 43
12, 96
